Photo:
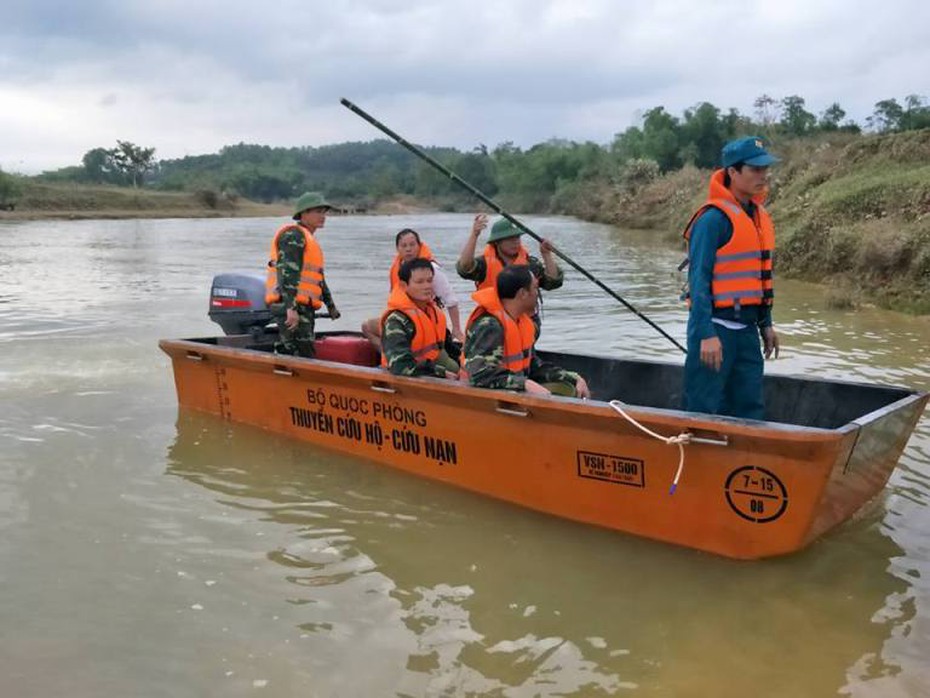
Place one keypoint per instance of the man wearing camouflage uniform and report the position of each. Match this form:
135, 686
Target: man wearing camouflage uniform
294, 307
503, 249
414, 337
500, 337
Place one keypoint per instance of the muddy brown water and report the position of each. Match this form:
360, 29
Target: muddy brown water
147, 551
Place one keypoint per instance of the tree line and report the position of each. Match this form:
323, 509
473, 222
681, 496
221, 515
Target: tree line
125, 165
531, 179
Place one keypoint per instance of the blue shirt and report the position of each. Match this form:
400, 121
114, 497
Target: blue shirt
711, 231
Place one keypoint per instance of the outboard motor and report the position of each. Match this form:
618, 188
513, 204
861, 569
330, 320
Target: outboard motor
237, 303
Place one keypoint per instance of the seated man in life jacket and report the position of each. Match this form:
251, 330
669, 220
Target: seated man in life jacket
499, 341
409, 246
504, 248
414, 338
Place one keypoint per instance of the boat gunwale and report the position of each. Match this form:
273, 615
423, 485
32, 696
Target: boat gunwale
684, 419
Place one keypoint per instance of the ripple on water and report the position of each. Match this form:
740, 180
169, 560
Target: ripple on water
298, 567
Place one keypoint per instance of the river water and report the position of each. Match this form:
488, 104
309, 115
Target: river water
147, 551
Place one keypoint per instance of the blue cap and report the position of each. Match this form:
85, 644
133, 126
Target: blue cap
748, 150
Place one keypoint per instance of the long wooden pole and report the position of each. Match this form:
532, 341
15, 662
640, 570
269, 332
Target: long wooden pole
493, 205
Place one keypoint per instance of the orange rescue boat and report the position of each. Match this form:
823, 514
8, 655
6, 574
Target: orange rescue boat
748, 489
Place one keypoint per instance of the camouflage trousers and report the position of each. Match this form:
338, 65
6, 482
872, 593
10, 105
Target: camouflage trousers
447, 362
299, 341
563, 388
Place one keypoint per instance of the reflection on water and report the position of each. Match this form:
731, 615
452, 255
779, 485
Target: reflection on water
145, 551
546, 608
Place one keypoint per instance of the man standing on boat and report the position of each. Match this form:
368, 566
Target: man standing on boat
499, 339
295, 287
504, 248
730, 243
414, 338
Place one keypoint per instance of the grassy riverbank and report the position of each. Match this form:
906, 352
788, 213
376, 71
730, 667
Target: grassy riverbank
38, 200
851, 212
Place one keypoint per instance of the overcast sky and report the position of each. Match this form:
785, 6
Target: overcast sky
189, 77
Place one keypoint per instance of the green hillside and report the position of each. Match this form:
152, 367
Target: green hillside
850, 211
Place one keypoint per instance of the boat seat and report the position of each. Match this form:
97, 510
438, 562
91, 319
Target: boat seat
347, 349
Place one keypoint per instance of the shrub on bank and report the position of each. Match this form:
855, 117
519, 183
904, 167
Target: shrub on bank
10, 191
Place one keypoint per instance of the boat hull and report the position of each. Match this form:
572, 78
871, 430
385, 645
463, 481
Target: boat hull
748, 489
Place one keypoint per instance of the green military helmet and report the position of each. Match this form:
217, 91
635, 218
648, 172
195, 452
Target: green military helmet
310, 199
503, 229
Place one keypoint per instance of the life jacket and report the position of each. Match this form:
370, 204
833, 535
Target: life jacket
743, 267
519, 335
494, 265
430, 324
424, 253
310, 287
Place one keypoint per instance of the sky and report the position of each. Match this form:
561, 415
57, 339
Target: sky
189, 77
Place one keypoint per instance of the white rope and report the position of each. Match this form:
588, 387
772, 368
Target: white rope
680, 440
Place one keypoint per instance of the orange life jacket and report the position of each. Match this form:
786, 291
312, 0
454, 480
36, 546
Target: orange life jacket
494, 265
519, 335
424, 253
430, 324
743, 267
310, 286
